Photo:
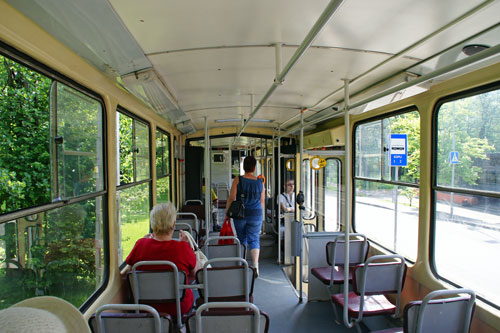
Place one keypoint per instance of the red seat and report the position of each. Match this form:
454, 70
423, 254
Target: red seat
371, 283
358, 251
324, 274
373, 305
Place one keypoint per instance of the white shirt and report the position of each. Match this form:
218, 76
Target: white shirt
288, 200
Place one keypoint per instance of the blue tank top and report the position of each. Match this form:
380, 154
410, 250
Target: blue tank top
252, 189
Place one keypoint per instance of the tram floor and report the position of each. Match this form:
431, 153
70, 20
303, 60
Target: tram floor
275, 295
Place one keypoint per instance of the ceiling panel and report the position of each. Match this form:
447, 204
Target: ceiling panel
179, 24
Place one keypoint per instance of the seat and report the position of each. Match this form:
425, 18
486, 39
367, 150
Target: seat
158, 286
220, 317
184, 227
222, 192
334, 272
213, 250
372, 281
127, 322
199, 211
189, 218
452, 314
227, 283
193, 202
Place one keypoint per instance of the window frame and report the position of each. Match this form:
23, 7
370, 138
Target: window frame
170, 150
459, 190
310, 189
34, 65
411, 108
339, 193
120, 187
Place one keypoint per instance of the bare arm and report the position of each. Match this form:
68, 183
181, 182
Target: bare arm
232, 193
263, 197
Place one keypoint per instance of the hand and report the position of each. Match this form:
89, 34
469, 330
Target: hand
183, 236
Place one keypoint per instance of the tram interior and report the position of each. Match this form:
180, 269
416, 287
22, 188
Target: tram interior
382, 117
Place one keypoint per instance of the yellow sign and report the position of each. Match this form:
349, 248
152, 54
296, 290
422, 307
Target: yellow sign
317, 163
290, 164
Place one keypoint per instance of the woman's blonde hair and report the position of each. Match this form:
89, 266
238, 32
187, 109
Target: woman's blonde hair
162, 218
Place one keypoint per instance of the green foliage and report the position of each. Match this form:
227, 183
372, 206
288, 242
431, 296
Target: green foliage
126, 149
24, 130
460, 129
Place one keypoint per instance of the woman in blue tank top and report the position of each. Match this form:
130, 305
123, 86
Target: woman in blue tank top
248, 229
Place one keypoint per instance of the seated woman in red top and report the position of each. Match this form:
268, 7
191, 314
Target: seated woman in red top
161, 246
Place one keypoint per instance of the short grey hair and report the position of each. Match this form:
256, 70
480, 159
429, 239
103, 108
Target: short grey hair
162, 218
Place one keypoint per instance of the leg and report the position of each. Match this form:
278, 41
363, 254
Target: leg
241, 232
254, 223
255, 256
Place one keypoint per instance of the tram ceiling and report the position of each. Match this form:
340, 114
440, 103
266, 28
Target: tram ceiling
209, 58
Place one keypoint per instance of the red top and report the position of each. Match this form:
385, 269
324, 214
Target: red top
178, 252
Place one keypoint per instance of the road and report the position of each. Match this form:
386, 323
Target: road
468, 247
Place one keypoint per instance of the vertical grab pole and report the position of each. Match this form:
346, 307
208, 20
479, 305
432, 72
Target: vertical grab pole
278, 172
347, 182
302, 187
271, 177
208, 181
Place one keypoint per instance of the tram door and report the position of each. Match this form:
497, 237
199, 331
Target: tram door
322, 189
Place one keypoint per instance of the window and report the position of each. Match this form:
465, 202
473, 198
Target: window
133, 193
332, 199
133, 139
309, 190
385, 196
466, 219
163, 171
52, 187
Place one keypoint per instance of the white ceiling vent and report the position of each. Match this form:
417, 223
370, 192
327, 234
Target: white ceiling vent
327, 138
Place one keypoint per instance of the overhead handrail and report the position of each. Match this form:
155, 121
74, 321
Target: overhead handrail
304, 46
408, 48
426, 77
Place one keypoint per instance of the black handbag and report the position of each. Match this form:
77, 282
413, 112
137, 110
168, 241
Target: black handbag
237, 208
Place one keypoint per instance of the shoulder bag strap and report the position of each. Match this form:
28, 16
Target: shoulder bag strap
240, 190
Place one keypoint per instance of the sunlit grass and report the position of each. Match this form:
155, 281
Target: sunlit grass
131, 232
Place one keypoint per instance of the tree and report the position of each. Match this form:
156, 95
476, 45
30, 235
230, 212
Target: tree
24, 130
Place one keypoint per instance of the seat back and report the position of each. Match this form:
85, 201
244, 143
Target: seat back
441, 315
381, 278
230, 283
222, 191
358, 250
157, 286
220, 317
186, 227
192, 202
188, 218
213, 250
198, 210
120, 322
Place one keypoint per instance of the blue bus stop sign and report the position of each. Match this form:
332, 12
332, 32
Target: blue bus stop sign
399, 150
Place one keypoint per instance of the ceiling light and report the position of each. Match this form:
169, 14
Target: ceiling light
472, 49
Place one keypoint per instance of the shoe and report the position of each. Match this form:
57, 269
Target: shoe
256, 268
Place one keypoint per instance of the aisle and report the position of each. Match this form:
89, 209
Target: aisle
275, 295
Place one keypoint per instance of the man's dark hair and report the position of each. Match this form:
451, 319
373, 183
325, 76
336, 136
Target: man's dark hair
249, 164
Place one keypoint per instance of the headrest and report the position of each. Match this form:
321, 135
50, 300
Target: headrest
42, 315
